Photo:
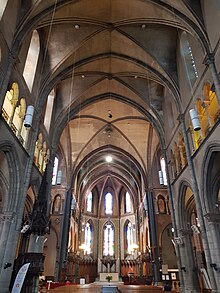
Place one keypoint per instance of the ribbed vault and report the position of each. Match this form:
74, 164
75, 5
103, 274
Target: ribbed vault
113, 65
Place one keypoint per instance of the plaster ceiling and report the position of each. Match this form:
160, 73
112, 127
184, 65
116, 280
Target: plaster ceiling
112, 55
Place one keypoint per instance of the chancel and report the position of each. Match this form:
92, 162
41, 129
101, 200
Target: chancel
109, 146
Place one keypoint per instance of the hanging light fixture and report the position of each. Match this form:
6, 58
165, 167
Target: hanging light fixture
195, 120
108, 159
29, 116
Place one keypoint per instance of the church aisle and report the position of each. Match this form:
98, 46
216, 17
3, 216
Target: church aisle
96, 289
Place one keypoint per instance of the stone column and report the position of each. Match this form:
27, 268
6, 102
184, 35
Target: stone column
8, 244
210, 62
179, 251
213, 228
198, 204
6, 76
211, 120
118, 266
99, 266
153, 236
65, 229
188, 266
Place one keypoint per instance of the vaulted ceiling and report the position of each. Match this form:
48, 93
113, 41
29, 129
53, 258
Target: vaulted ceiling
112, 63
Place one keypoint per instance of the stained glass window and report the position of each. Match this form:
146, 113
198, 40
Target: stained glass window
89, 202
163, 169
127, 203
108, 241
55, 168
108, 203
88, 238
129, 236
188, 59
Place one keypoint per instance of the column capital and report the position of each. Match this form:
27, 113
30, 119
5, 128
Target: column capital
11, 57
163, 150
181, 118
150, 189
209, 59
213, 218
7, 217
185, 232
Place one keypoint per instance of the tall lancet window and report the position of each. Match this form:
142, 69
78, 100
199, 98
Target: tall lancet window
127, 203
108, 203
55, 169
88, 238
129, 237
108, 241
89, 202
163, 169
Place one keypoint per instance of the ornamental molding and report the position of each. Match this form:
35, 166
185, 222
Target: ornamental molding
7, 217
213, 218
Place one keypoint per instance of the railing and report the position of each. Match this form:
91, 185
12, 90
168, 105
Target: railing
5, 115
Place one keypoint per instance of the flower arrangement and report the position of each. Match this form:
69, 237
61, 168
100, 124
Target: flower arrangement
108, 278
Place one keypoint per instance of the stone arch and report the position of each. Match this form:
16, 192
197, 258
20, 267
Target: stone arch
127, 222
57, 204
13, 185
168, 253
211, 102
90, 222
161, 203
190, 234
183, 195
24, 238
9, 104
50, 251
211, 179
108, 237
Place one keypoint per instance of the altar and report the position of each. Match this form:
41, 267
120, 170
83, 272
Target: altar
115, 277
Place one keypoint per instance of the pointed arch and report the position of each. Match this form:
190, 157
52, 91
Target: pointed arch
108, 203
11, 156
108, 239
49, 110
211, 179
32, 59
161, 204
188, 58
57, 202
128, 238
128, 203
2, 7
89, 235
10, 102
89, 202
168, 248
